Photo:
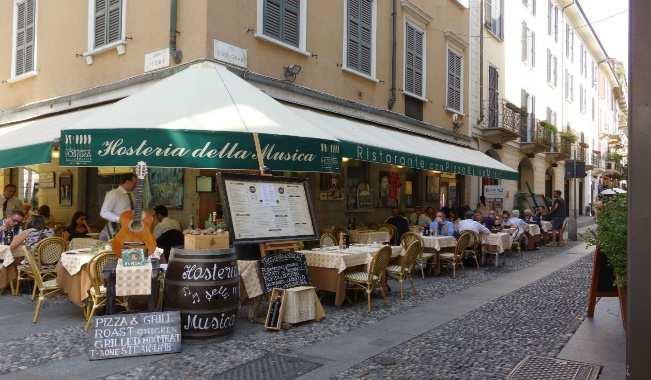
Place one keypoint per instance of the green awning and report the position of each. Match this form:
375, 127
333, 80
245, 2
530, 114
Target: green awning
202, 117
372, 143
30, 142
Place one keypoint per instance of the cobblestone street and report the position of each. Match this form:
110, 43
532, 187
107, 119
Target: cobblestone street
484, 343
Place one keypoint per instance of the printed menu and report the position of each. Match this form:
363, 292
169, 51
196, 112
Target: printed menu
268, 209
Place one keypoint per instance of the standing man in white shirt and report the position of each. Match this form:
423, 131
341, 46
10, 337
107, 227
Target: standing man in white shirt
116, 202
9, 201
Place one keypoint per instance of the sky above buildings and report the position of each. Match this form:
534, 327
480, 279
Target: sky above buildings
610, 20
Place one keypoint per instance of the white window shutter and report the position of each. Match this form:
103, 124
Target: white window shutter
533, 48
524, 38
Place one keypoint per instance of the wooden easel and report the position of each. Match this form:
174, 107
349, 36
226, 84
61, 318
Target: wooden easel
602, 281
270, 247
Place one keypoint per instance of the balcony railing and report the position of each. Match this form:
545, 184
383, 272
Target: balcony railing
566, 147
581, 154
532, 132
501, 122
596, 159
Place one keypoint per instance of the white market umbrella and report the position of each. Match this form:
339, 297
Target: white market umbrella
204, 116
619, 191
608, 192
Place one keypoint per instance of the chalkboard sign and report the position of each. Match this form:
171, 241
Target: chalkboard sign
284, 270
602, 284
117, 336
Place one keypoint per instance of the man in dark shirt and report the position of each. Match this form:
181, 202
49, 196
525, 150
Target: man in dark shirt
400, 222
557, 215
10, 226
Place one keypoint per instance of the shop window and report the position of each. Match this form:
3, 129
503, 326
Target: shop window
28, 187
359, 194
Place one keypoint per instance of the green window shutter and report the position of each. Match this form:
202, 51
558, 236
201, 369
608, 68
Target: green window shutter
281, 20
360, 35
414, 61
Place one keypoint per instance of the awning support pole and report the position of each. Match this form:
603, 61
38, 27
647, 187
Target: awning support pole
258, 154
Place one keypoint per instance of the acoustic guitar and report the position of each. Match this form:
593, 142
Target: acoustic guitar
133, 226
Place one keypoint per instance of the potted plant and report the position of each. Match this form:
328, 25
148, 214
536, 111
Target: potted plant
610, 238
568, 135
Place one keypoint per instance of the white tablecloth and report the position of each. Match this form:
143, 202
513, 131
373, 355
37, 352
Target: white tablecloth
501, 240
341, 259
439, 242
368, 237
6, 255
546, 225
133, 281
533, 229
73, 260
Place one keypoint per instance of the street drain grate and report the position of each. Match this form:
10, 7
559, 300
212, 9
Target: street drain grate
269, 367
542, 368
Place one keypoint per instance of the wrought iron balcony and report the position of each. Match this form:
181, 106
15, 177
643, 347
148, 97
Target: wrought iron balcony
533, 137
596, 163
501, 123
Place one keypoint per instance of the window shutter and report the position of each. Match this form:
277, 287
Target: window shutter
455, 64
533, 48
555, 71
549, 66
524, 42
493, 97
555, 24
20, 38
533, 7
100, 23
114, 21
25, 37
360, 30
271, 18
488, 14
549, 17
414, 61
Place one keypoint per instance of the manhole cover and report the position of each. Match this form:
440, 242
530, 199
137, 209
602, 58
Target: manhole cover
542, 368
269, 367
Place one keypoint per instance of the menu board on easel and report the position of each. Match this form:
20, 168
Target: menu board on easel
264, 208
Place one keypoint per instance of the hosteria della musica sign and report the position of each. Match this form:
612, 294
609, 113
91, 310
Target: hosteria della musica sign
196, 149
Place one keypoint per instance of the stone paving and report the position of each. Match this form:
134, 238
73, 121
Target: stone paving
208, 359
488, 342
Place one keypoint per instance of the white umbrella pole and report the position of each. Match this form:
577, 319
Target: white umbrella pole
258, 153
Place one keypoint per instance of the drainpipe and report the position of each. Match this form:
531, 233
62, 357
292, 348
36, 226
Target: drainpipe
481, 63
394, 31
177, 55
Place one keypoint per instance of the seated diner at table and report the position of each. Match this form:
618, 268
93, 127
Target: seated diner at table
34, 232
10, 226
530, 218
469, 224
513, 219
425, 218
489, 221
44, 211
399, 222
441, 226
78, 227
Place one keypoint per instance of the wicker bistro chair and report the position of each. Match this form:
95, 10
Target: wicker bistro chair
405, 270
97, 292
423, 258
465, 241
47, 253
518, 239
328, 240
391, 229
46, 289
374, 278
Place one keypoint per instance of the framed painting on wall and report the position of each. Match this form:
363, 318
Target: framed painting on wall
65, 190
331, 187
165, 187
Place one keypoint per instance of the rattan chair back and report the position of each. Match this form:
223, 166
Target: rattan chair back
35, 268
413, 251
96, 266
328, 240
408, 238
390, 228
465, 241
49, 250
379, 263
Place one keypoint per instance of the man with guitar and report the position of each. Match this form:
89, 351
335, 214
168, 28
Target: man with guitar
116, 202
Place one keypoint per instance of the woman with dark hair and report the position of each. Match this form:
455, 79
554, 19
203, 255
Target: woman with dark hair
44, 211
78, 227
34, 232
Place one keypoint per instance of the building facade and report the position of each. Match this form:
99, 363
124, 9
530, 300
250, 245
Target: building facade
543, 95
399, 64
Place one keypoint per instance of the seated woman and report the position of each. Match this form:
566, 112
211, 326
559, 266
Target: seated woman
34, 232
78, 227
44, 211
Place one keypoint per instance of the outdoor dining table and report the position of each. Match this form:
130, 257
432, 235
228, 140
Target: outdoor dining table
532, 229
327, 266
435, 244
73, 275
109, 274
496, 243
546, 225
369, 236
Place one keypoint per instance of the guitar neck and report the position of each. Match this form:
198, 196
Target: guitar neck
137, 203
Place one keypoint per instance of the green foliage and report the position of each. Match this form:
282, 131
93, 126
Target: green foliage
616, 157
521, 201
548, 127
569, 136
611, 236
